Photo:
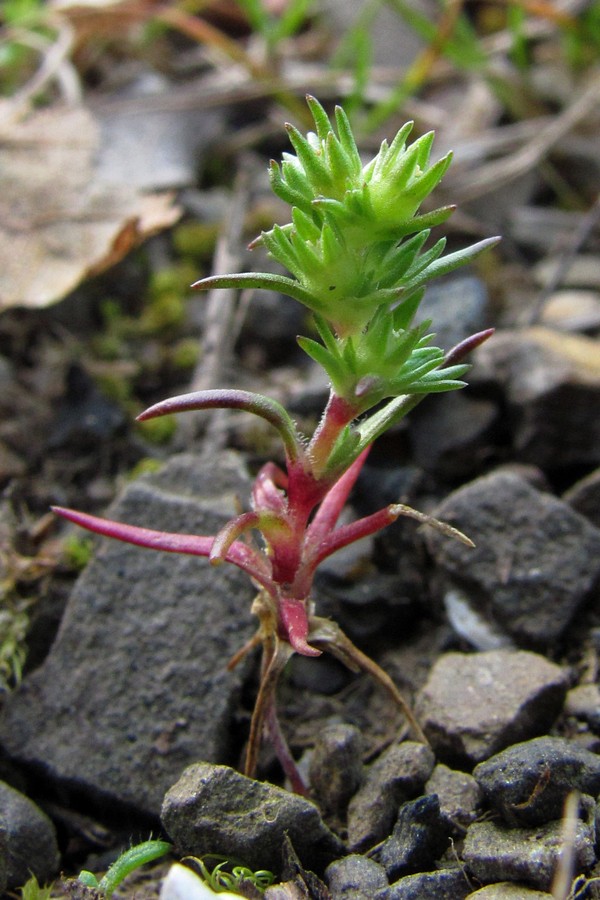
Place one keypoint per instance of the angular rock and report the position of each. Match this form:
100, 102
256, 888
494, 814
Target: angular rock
493, 852
475, 704
445, 884
453, 438
355, 878
420, 836
398, 775
529, 782
459, 307
214, 809
336, 768
459, 796
30, 845
135, 687
551, 381
535, 561
507, 890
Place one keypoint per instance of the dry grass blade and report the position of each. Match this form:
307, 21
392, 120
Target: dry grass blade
498, 173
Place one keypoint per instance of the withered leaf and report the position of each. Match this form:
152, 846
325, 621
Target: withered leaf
59, 222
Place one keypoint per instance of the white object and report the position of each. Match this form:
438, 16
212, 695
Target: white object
183, 884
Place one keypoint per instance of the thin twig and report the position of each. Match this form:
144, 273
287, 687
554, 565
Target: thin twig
563, 876
221, 322
585, 228
501, 172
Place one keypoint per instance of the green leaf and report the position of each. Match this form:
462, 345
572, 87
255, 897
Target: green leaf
314, 167
321, 119
326, 360
347, 140
264, 280
453, 261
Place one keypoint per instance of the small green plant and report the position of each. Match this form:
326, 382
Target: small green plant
32, 890
226, 876
128, 862
358, 251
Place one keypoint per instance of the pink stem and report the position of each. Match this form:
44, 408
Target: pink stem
282, 750
337, 415
332, 505
354, 531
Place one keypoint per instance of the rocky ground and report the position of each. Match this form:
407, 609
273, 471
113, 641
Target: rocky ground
126, 721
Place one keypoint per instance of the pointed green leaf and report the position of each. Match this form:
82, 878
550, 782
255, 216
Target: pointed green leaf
314, 167
320, 355
320, 117
453, 261
347, 140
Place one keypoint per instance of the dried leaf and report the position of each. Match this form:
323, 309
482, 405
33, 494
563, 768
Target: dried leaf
59, 222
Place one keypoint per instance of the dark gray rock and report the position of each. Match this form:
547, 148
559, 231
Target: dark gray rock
420, 836
475, 704
356, 878
445, 884
535, 561
29, 840
452, 436
135, 687
214, 809
493, 852
459, 796
529, 782
584, 497
458, 307
336, 768
551, 381
398, 775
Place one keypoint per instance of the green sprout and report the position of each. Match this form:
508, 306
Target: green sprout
128, 862
227, 876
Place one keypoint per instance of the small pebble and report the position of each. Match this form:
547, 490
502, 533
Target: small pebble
529, 782
507, 890
475, 704
444, 884
336, 768
493, 852
459, 796
420, 837
355, 877
398, 775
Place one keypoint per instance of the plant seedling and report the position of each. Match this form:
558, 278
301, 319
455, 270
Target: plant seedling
356, 248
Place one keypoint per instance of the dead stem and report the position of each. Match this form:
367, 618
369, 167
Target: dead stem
275, 656
327, 636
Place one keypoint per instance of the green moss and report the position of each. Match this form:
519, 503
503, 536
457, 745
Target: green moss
196, 240
77, 551
185, 353
144, 467
158, 431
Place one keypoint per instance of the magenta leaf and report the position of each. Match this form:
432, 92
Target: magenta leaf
255, 565
294, 620
224, 398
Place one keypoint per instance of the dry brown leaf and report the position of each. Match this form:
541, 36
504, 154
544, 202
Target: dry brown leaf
59, 223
